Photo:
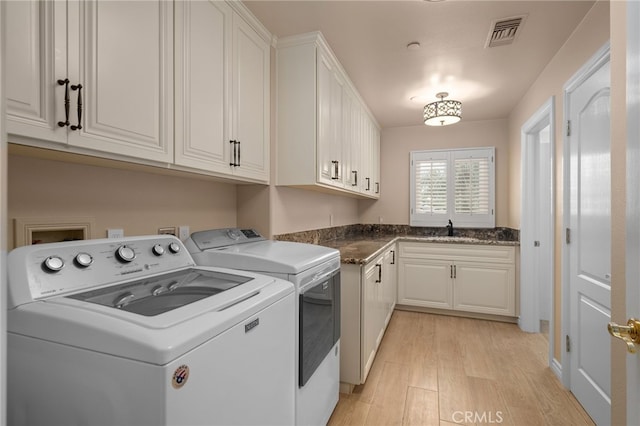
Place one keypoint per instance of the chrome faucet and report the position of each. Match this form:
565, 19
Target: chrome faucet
450, 228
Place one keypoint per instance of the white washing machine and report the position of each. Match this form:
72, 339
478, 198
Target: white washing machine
315, 271
131, 332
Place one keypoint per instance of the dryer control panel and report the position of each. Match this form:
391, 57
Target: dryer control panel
216, 238
63, 268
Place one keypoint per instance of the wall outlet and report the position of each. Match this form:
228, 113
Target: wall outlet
330, 220
183, 232
380, 219
115, 233
167, 230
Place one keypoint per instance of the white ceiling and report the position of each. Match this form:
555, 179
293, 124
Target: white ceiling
370, 38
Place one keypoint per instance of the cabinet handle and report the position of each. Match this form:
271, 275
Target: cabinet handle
368, 188
455, 271
65, 83
355, 177
450, 271
236, 154
238, 143
393, 258
379, 280
78, 87
335, 169
377, 187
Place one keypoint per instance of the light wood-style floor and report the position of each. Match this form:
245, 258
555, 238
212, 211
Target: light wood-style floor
442, 370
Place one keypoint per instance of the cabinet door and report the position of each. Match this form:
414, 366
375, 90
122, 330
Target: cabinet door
425, 282
367, 183
389, 283
329, 123
250, 101
353, 177
371, 315
35, 58
347, 140
484, 288
202, 65
122, 55
374, 158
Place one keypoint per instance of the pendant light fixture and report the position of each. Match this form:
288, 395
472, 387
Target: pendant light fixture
442, 113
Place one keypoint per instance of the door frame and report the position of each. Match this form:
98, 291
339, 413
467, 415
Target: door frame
592, 64
529, 290
632, 248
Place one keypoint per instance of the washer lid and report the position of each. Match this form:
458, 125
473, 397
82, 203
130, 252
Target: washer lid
157, 295
155, 339
279, 257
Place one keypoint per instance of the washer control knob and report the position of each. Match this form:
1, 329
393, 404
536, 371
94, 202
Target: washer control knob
158, 250
174, 247
125, 254
83, 260
53, 264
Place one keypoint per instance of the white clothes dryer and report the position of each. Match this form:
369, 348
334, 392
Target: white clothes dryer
131, 332
315, 272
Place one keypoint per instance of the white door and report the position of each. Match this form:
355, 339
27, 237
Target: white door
250, 101
329, 123
633, 200
121, 53
587, 103
36, 51
537, 233
202, 34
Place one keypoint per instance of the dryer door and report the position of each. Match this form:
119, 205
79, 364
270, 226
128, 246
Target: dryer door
319, 323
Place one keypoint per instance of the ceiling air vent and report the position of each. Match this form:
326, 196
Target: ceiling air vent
504, 31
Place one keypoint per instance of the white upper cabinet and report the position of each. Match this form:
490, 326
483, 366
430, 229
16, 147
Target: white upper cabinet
31, 90
97, 78
92, 75
250, 101
330, 136
202, 73
222, 92
323, 124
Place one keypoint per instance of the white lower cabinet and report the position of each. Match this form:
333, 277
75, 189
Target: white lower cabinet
368, 299
469, 278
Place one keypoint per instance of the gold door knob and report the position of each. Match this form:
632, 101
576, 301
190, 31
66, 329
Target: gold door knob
629, 333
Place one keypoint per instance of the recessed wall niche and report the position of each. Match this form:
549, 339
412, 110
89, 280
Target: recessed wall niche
51, 230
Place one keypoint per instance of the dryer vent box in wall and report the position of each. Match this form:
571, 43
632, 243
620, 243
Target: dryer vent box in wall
29, 231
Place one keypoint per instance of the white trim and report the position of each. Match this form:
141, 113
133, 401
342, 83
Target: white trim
633, 198
578, 78
529, 292
556, 368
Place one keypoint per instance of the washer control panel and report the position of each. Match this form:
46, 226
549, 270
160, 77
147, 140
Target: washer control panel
61, 268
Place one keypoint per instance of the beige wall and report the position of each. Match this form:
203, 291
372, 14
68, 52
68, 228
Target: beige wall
135, 201
294, 210
397, 142
589, 36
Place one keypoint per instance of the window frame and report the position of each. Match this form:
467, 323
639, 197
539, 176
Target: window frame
462, 220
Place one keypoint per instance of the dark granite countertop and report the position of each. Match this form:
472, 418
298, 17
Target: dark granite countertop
359, 244
361, 250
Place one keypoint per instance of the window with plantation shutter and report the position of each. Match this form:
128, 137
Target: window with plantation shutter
453, 184
431, 184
